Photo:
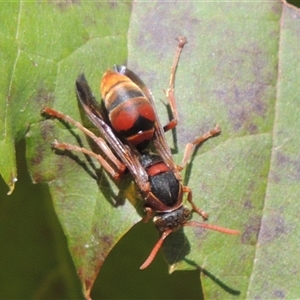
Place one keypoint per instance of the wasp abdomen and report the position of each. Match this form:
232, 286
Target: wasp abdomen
164, 186
130, 112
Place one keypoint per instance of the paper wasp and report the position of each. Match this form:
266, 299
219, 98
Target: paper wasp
128, 123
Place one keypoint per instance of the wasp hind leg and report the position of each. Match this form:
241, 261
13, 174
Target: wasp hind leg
73, 148
111, 164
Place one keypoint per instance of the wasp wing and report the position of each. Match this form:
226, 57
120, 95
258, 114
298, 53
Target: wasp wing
159, 140
128, 154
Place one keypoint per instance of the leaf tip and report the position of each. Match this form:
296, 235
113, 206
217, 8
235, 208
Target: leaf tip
11, 185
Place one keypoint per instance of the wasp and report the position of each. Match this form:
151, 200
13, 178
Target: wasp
128, 123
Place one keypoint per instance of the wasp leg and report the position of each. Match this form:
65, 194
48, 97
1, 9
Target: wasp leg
170, 91
198, 210
149, 214
190, 147
119, 167
68, 147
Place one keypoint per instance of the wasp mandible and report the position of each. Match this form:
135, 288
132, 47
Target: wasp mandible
128, 123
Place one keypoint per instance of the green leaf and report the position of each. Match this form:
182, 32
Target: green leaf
8, 53
240, 69
278, 244
45, 45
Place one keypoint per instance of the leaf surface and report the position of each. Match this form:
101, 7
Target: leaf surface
45, 46
240, 69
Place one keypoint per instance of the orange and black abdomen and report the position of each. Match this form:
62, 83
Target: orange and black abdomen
129, 110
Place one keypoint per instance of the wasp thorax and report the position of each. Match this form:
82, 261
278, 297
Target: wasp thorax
173, 219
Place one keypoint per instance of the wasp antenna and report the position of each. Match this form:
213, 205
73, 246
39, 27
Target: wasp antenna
212, 227
155, 249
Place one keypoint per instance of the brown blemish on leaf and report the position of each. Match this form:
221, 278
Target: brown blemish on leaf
63, 5
37, 156
44, 97
113, 4
250, 234
244, 104
160, 37
286, 168
247, 94
79, 250
248, 204
104, 244
272, 228
252, 128
47, 129
279, 294
37, 159
100, 250
86, 282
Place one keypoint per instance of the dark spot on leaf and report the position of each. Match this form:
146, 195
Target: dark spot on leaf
286, 168
106, 240
47, 129
79, 250
94, 258
159, 35
88, 286
250, 234
44, 97
113, 4
248, 204
281, 159
278, 294
244, 105
64, 4
252, 128
86, 281
273, 227
101, 250
36, 160
40, 149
